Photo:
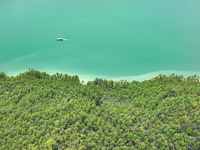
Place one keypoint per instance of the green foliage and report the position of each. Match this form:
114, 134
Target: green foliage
2, 75
42, 111
50, 144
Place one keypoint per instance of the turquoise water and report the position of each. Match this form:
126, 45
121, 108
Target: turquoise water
118, 39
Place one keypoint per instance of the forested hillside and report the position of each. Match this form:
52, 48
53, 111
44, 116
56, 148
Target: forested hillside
40, 111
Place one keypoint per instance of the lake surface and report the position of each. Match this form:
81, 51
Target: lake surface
118, 39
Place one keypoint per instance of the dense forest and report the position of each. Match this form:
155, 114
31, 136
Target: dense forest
39, 111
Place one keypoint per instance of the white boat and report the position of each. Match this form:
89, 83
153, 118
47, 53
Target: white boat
60, 39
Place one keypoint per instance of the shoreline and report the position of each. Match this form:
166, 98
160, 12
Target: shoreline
142, 77
85, 78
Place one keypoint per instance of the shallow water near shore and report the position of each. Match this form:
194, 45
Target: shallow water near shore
121, 39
